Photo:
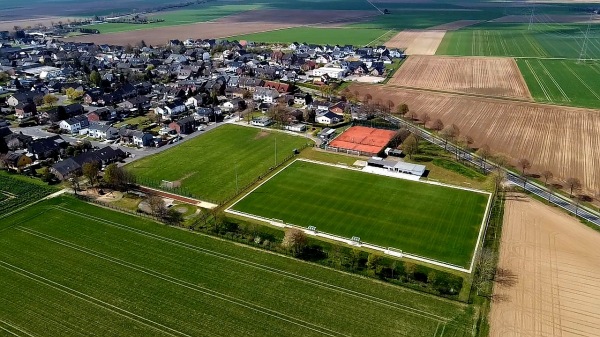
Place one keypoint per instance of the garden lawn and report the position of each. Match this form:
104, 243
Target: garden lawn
338, 36
207, 165
436, 222
70, 268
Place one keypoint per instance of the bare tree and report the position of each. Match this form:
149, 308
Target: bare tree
294, 240
505, 277
74, 180
573, 184
390, 105
157, 206
410, 145
486, 270
437, 125
90, 170
547, 175
450, 132
425, 118
524, 165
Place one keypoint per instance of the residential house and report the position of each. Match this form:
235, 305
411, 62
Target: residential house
335, 73
185, 125
266, 95
328, 118
170, 109
25, 110
17, 161
49, 147
262, 121
137, 138
279, 86
102, 131
298, 127
16, 141
74, 124
23, 98
104, 157
137, 103
102, 115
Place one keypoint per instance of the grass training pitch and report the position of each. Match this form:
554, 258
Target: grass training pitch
432, 221
70, 268
207, 165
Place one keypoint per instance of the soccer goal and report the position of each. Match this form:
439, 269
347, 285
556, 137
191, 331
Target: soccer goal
170, 184
395, 251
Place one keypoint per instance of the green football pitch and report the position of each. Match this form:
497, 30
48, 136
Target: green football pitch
214, 165
432, 221
68, 268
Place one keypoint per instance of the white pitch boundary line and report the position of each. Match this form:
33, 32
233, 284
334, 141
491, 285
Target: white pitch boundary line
90, 299
366, 244
182, 283
273, 270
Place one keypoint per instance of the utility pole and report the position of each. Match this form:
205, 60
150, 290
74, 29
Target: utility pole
531, 17
585, 39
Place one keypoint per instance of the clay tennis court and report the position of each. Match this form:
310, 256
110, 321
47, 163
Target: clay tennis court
555, 260
366, 140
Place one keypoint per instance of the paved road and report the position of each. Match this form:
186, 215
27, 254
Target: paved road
555, 198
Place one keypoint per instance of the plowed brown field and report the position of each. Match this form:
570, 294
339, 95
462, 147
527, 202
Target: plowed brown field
493, 76
564, 140
555, 260
417, 42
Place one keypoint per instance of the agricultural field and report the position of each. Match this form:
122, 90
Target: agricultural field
340, 36
439, 223
175, 18
566, 82
405, 17
492, 76
563, 140
561, 297
75, 269
17, 191
207, 166
517, 40
417, 42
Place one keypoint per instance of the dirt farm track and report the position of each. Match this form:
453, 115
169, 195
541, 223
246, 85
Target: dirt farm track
493, 76
563, 140
555, 260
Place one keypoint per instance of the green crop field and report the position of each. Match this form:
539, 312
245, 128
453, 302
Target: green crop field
565, 82
175, 18
72, 269
517, 40
207, 165
436, 222
339, 36
17, 191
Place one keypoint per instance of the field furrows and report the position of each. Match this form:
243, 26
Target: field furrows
174, 285
475, 75
563, 140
